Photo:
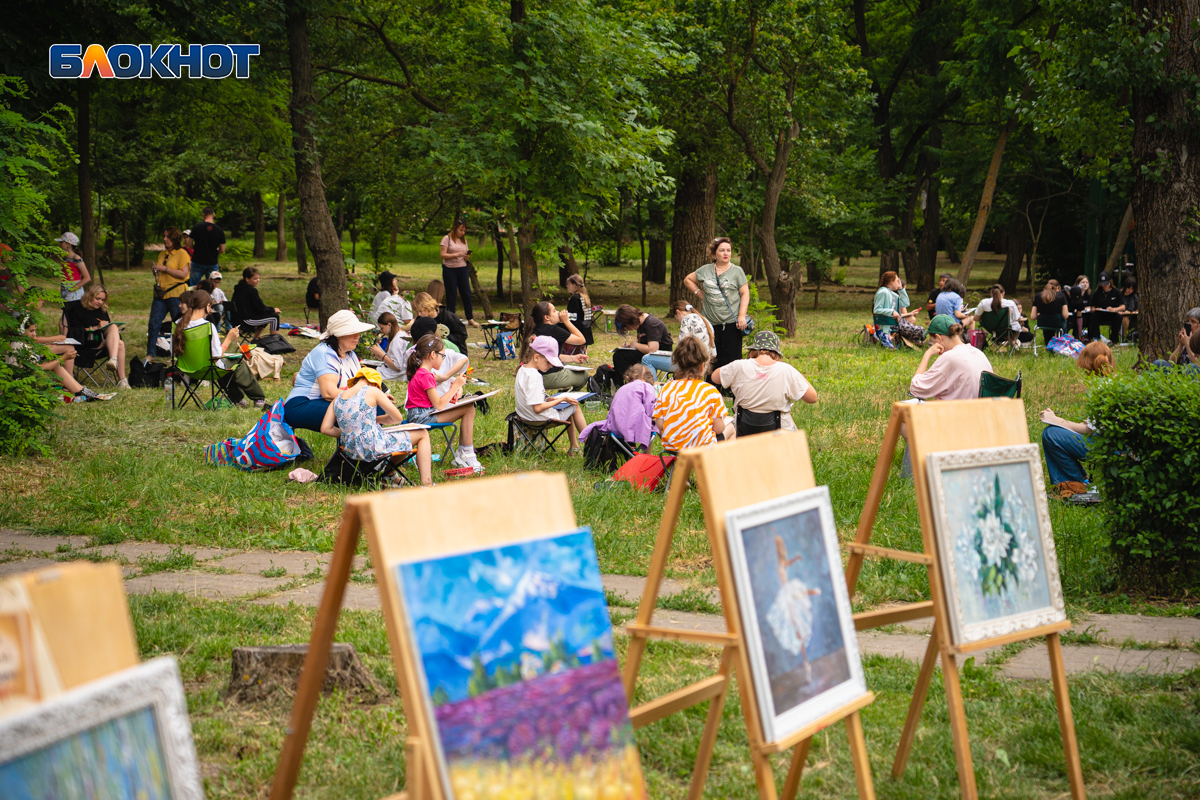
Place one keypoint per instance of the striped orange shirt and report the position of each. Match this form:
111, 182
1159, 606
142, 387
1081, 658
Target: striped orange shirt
685, 411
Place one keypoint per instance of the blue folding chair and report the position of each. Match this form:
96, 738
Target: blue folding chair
449, 432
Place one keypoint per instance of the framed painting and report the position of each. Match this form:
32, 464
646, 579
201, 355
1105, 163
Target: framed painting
994, 542
123, 737
514, 650
795, 610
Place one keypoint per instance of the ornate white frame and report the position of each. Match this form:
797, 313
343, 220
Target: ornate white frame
775, 725
1028, 454
155, 684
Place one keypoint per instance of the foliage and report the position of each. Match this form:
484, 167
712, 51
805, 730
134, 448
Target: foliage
29, 151
1145, 459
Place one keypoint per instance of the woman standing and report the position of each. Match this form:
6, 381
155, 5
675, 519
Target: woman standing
171, 271
74, 272
454, 269
724, 295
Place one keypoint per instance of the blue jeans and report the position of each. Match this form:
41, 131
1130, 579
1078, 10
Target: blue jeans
200, 272
158, 310
1065, 452
658, 363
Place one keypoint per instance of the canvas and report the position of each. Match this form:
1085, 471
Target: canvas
994, 541
515, 651
124, 737
795, 610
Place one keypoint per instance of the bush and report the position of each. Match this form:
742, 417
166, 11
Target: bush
1145, 459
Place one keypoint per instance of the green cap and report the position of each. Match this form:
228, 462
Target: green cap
940, 325
766, 340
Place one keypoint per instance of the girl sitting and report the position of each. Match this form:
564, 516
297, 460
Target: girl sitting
352, 417
392, 349
425, 404
241, 383
579, 311
631, 415
530, 391
690, 412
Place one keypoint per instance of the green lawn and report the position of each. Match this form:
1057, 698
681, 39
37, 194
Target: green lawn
133, 469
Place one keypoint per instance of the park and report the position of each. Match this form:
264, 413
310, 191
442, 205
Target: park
897, 185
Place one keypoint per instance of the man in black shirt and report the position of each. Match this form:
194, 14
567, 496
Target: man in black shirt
1107, 305
210, 243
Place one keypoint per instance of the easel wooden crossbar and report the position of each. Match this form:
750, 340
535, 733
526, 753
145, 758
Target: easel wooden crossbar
932, 428
491, 511
741, 473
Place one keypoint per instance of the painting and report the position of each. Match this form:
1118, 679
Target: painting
795, 610
123, 737
515, 650
995, 545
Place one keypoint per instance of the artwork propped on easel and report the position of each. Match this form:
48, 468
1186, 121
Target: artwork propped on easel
745, 472
941, 428
500, 638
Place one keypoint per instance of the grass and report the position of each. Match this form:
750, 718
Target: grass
131, 469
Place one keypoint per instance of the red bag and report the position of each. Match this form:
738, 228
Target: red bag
644, 471
978, 339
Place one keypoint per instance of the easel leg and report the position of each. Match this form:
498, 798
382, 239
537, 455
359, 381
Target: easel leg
316, 660
1066, 721
866, 523
920, 692
791, 786
708, 739
658, 566
858, 754
958, 727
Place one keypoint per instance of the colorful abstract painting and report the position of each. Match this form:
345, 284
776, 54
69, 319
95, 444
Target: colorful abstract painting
121, 759
516, 648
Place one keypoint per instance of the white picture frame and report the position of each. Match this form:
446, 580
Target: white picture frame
791, 694
997, 556
129, 698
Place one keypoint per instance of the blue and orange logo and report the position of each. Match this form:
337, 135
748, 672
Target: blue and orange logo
124, 61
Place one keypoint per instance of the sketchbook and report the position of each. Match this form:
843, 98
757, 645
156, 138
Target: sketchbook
577, 396
473, 398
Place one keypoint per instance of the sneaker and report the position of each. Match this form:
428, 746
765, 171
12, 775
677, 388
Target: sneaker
123, 383
460, 460
242, 403
885, 340
111, 364
89, 394
260, 403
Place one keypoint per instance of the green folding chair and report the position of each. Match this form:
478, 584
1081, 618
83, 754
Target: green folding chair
992, 385
196, 365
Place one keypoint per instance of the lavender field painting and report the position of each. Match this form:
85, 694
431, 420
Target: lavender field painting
516, 649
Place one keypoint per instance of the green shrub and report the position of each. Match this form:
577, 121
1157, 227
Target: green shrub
1145, 459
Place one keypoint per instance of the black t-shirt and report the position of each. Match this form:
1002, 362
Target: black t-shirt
1051, 309
208, 237
1077, 300
652, 329
458, 331
312, 295
80, 317
422, 326
1112, 298
933, 299
575, 309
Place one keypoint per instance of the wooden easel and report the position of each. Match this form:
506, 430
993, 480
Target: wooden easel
729, 476
932, 428
485, 512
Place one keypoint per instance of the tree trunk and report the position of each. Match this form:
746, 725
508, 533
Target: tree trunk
1114, 258
656, 259
567, 267
319, 234
1167, 139
281, 228
484, 300
1016, 245
529, 268
985, 202
125, 237
301, 254
260, 226
512, 258
951, 250
928, 253
783, 286
695, 217
500, 256
908, 255
110, 241
83, 129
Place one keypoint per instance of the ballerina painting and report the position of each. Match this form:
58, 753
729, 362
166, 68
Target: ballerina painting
791, 615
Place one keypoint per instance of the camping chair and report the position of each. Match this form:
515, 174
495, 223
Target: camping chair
992, 385
1051, 325
748, 423
373, 473
91, 366
449, 432
999, 331
534, 436
195, 365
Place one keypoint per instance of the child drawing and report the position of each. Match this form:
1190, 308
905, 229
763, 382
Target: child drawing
790, 616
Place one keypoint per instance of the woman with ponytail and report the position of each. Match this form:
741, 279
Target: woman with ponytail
546, 320
238, 384
425, 405
1002, 327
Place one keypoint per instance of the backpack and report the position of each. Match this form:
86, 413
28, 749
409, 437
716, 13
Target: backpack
275, 344
506, 345
599, 452
270, 444
146, 376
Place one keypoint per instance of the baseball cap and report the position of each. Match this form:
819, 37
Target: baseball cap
188, 232
69, 238
1105, 278
215, 275
766, 340
547, 346
385, 280
940, 325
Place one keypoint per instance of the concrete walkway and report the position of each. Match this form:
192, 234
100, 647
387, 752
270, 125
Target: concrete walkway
1124, 643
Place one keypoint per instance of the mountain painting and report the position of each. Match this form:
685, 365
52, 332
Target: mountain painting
516, 648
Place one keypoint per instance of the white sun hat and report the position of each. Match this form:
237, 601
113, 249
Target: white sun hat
344, 323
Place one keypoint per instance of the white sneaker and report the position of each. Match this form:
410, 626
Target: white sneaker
123, 383
460, 459
111, 364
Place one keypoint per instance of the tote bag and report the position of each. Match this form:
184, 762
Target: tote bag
270, 444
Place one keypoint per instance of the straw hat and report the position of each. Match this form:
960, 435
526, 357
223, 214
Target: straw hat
344, 323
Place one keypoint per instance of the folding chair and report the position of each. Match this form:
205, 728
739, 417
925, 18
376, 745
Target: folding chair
993, 385
373, 474
620, 446
534, 435
1000, 333
196, 365
449, 431
1050, 325
91, 367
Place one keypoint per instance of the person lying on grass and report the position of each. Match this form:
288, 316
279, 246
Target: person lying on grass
690, 412
530, 391
353, 418
426, 405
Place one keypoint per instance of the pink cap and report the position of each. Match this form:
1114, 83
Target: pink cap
547, 346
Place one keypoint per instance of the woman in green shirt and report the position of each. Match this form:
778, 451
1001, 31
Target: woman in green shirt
724, 295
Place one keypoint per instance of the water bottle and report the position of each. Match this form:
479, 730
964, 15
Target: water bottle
168, 386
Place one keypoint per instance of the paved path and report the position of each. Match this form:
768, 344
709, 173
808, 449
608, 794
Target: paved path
1124, 642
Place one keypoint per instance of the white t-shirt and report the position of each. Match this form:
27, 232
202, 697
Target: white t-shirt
398, 352
530, 390
218, 296
393, 303
765, 388
1014, 313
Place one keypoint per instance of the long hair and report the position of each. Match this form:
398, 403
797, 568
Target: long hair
717, 242
1047, 295
1096, 359
575, 284
537, 316
997, 296
887, 278
437, 290
90, 293
954, 285
455, 227
197, 301
684, 307
689, 358
175, 236
421, 350
423, 303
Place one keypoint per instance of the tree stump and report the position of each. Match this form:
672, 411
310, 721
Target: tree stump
257, 672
